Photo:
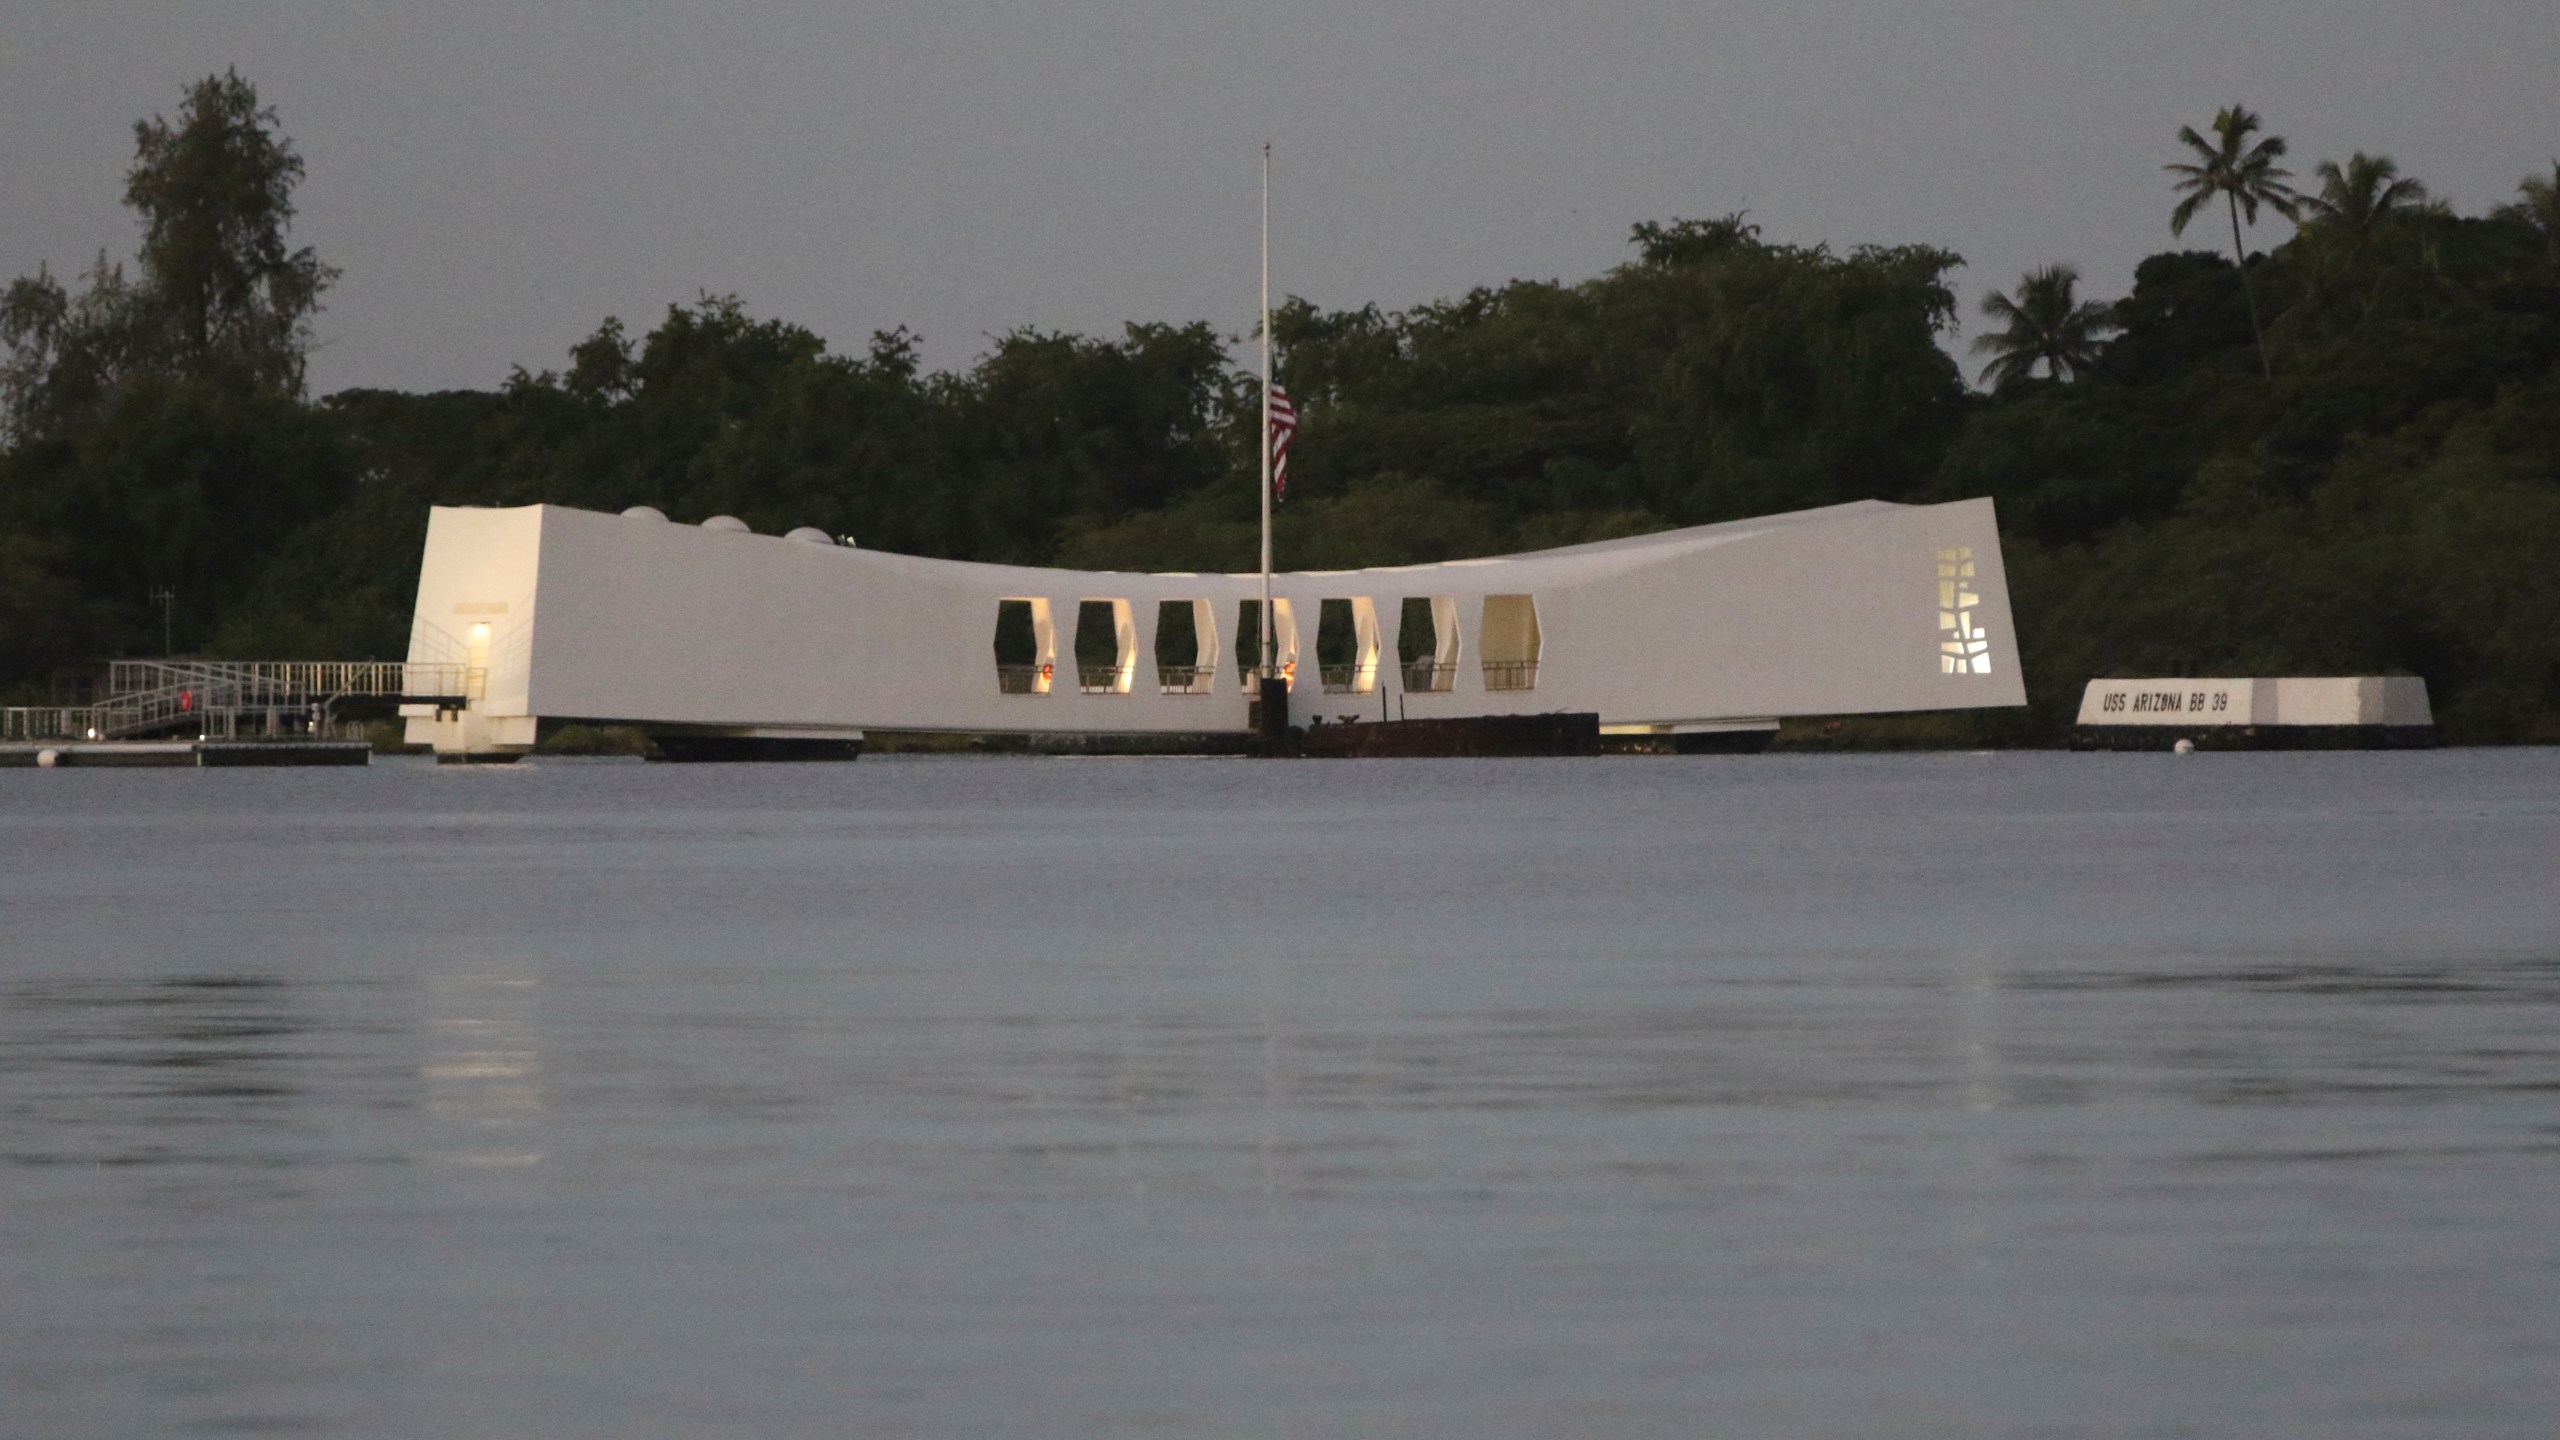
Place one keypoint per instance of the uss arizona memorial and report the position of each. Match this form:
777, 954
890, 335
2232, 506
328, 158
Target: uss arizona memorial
710, 633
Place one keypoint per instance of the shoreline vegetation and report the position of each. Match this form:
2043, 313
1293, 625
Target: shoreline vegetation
2336, 453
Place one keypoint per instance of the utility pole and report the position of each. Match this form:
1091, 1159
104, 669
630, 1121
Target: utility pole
167, 600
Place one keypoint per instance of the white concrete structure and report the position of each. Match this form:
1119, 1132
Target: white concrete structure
709, 630
2387, 701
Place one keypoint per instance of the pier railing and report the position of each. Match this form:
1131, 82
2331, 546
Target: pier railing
288, 682
48, 722
1429, 677
149, 697
1348, 679
121, 717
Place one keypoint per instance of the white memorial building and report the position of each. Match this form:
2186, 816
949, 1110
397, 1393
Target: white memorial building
710, 630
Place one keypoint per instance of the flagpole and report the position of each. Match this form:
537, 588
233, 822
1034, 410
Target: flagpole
1262, 426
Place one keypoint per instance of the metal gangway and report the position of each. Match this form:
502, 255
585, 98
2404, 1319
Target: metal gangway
157, 697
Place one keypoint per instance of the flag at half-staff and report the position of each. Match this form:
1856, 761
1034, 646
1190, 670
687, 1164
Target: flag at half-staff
1284, 423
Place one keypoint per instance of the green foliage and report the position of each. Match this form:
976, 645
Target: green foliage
2246, 176
182, 484
1718, 376
2362, 195
2231, 167
215, 194
220, 298
157, 435
2046, 323
2538, 209
2390, 504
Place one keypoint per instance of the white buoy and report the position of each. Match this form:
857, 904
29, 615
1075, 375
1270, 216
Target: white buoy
48, 758
2184, 747
644, 512
730, 523
809, 535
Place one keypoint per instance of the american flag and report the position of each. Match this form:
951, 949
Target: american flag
1284, 423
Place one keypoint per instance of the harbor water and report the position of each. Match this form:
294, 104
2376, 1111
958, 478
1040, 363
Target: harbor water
2000, 1095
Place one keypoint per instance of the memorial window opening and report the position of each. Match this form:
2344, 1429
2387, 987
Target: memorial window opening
1025, 647
1427, 643
1106, 647
1509, 642
1347, 645
1186, 647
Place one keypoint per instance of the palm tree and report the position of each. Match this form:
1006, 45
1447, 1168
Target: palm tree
2364, 194
2246, 176
2046, 323
2540, 207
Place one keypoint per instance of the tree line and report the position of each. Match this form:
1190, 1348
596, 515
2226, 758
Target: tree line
2340, 453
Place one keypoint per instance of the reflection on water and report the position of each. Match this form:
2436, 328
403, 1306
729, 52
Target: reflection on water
1976, 984
1522, 1099
483, 1068
2526, 980
192, 1069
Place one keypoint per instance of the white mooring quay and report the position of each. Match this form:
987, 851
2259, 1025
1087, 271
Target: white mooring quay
2285, 712
711, 633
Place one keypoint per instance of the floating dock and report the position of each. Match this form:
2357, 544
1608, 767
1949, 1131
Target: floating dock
1479, 737
193, 754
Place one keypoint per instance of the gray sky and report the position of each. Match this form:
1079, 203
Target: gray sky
496, 178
